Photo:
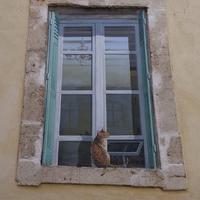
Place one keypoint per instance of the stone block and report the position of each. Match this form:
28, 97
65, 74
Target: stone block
174, 151
28, 137
33, 102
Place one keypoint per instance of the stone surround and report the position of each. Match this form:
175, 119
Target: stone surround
170, 174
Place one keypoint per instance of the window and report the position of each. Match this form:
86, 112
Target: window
169, 174
98, 77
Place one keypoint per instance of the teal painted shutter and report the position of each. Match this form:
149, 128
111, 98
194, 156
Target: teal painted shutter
52, 60
148, 112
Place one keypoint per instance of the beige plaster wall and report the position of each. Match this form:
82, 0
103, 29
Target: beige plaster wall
184, 31
184, 38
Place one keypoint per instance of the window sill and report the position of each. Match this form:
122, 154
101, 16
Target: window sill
172, 178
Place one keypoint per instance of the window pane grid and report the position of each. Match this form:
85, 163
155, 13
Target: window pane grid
98, 55
120, 157
81, 50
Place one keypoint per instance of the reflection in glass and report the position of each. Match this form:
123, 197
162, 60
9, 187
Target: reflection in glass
75, 76
125, 146
120, 38
74, 154
77, 39
76, 115
123, 116
133, 160
121, 72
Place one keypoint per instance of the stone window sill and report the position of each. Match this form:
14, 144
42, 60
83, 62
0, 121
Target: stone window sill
172, 178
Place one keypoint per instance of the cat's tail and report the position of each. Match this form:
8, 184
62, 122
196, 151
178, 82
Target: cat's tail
124, 165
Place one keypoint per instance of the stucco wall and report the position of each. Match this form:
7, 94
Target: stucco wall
184, 40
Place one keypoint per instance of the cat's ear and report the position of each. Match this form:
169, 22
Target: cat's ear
103, 130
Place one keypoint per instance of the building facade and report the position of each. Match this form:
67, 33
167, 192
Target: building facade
173, 31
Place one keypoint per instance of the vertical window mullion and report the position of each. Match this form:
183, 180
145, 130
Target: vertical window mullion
104, 78
99, 84
93, 81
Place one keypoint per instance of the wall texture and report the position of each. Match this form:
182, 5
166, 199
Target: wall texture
183, 30
184, 38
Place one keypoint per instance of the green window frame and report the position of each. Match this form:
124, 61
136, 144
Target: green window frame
51, 84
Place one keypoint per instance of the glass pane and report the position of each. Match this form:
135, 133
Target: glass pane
123, 114
76, 115
121, 72
74, 154
133, 160
77, 72
77, 39
124, 146
120, 38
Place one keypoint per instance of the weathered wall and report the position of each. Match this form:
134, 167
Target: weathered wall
184, 31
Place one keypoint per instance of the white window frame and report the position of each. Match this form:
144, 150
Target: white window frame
98, 82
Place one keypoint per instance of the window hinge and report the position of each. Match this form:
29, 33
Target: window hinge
144, 20
148, 75
154, 148
51, 21
47, 76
